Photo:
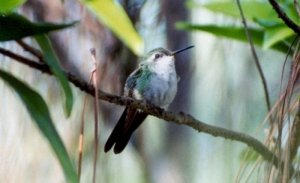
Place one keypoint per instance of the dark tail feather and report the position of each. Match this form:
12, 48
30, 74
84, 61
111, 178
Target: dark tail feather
116, 132
123, 139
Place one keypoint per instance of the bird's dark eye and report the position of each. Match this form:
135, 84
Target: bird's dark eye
156, 56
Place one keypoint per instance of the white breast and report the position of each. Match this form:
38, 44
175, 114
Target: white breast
163, 84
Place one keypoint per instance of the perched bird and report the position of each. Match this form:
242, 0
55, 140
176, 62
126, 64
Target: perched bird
154, 81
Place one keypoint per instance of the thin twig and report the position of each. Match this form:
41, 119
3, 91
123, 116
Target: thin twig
284, 17
294, 140
30, 49
292, 145
258, 66
178, 118
81, 135
290, 88
31, 63
294, 136
285, 61
285, 175
95, 84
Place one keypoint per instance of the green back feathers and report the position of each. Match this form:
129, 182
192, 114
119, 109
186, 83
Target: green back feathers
138, 80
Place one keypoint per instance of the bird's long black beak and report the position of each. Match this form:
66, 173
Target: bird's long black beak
181, 50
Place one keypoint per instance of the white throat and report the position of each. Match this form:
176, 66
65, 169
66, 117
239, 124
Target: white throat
164, 66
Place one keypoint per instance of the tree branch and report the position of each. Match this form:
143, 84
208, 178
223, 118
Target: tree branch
26, 61
178, 118
284, 17
31, 50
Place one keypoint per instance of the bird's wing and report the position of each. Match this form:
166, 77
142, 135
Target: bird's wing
130, 119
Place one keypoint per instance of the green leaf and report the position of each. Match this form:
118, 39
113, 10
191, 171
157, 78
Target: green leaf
276, 34
289, 8
112, 15
38, 110
14, 26
52, 61
9, 5
252, 9
233, 32
266, 23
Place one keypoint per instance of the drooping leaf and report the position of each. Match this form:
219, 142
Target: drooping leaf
38, 110
9, 5
266, 23
252, 9
52, 61
14, 26
276, 34
112, 15
233, 32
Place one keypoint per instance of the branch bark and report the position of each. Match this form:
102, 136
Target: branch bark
178, 118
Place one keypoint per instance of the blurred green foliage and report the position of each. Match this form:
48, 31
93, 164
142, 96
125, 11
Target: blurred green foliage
236, 33
13, 27
53, 62
274, 34
9, 5
38, 110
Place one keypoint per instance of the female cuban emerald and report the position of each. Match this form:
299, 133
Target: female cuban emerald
154, 81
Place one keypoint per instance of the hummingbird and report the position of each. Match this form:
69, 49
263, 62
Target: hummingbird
154, 81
